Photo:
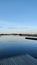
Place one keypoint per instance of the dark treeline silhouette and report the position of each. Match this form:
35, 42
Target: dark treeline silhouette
34, 35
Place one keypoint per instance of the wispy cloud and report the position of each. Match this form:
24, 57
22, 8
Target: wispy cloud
8, 27
11, 25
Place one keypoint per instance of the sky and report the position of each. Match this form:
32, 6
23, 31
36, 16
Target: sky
18, 15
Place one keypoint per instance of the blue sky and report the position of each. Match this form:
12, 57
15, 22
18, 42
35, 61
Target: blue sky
17, 15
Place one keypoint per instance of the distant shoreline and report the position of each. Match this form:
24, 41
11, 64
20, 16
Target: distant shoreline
15, 34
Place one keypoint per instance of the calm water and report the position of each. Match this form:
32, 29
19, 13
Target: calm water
15, 45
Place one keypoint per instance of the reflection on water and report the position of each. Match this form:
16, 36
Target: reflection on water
14, 45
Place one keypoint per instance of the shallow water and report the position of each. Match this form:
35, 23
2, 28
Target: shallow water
16, 45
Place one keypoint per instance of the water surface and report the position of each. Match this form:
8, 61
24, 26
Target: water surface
16, 45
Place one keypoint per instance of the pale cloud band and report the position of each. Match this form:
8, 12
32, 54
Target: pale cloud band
7, 27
